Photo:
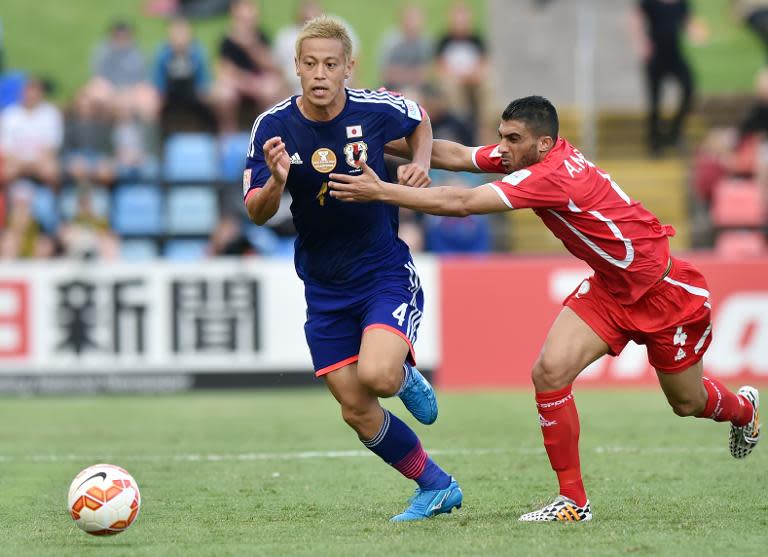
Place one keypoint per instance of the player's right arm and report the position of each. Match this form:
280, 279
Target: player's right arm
262, 203
449, 155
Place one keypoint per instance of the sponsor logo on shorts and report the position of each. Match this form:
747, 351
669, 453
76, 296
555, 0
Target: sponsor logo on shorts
680, 337
680, 355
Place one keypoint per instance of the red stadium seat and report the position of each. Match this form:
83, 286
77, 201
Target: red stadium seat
738, 203
741, 243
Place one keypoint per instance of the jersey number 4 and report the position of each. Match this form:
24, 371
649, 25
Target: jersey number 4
321, 194
399, 314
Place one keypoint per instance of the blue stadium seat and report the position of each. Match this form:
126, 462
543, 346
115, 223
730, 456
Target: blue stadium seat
185, 250
137, 209
68, 203
190, 157
138, 250
11, 88
192, 210
234, 148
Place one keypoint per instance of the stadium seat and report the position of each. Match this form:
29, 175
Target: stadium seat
190, 157
234, 148
68, 203
185, 250
11, 88
738, 203
138, 250
741, 243
137, 209
192, 210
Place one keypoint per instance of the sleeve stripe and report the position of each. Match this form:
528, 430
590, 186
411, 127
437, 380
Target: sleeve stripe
503, 196
395, 104
278, 107
474, 157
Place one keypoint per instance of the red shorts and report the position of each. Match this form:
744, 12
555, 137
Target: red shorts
672, 319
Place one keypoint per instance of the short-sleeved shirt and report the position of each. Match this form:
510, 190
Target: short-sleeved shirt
340, 246
621, 240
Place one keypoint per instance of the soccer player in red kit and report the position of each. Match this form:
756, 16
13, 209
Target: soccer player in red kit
638, 290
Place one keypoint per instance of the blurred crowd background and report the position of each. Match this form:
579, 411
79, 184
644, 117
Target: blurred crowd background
134, 149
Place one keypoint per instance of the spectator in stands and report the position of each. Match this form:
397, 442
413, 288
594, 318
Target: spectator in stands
120, 74
285, 42
406, 53
657, 28
87, 236
445, 123
462, 64
180, 74
245, 70
445, 235
411, 230
754, 13
30, 136
88, 142
23, 236
228, 238
734, 151
132, 143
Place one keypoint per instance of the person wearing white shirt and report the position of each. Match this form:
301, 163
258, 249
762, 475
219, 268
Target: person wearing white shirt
31, 134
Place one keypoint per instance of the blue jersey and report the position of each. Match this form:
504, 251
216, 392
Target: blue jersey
340, 246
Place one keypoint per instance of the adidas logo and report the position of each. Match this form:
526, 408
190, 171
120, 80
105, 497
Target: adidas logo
296, 159
680, 355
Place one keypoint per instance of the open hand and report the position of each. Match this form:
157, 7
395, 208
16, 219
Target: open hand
366, 186
277, 159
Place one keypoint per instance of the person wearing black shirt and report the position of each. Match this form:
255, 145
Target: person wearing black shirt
658, 29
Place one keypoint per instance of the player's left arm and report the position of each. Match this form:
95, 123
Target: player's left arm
443, 200
416, 173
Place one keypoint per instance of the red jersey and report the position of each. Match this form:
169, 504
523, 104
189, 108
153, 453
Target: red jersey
621, 240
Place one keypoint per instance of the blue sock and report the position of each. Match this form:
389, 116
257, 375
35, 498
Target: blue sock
397, 445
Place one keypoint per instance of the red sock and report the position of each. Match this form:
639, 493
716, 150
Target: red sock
724, 405
559, 422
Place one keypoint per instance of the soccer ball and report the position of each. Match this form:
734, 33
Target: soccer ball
104, 499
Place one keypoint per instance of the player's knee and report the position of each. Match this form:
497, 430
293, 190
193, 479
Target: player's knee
356, 416
379, 378
550, 373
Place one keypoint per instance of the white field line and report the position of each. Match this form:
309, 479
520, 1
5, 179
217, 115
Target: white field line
306, 455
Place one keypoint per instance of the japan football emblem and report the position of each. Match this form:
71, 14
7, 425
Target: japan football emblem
324, 160
356, 153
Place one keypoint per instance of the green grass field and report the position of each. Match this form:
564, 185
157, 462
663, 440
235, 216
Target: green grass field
254, 473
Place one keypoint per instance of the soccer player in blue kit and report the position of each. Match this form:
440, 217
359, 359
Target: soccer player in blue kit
364, 298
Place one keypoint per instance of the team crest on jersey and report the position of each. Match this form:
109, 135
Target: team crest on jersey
356, 153
324, 160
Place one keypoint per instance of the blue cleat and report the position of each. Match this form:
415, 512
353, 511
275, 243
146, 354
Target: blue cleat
418, 396
426, 504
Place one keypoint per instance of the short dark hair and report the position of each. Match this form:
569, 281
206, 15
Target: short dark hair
538, 114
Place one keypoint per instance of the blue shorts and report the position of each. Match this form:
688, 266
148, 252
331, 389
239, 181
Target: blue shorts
394, 303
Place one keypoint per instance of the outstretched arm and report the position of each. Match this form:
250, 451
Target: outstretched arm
446, 155
443, 200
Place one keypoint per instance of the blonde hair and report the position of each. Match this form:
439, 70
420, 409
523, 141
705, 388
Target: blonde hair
324, 27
